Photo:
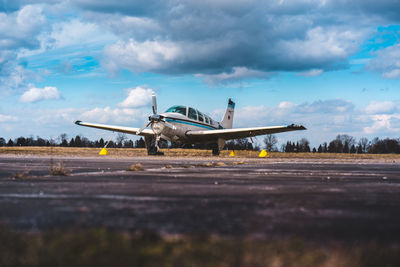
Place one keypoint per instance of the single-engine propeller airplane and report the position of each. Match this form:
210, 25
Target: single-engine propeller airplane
186, 125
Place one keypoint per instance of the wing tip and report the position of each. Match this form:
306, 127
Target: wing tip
78, 122
296, 126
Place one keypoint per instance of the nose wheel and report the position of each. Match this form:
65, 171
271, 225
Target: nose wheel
152, 145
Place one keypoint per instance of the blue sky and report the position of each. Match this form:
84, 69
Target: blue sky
333, 66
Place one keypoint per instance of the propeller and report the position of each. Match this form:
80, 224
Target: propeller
155, 117
154, 103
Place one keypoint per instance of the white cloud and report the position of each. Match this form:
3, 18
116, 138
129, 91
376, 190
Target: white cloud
137, 97
140, 57
383, 124
38, 94
387, 62
76, 32
117, 115
19, 29
7, 118
380, 107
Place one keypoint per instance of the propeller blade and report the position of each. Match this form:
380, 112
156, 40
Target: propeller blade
154, 103
144, 127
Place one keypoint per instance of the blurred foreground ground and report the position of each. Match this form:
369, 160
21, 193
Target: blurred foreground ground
200, 211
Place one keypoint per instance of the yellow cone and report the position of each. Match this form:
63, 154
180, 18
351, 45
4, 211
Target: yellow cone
103, 151
233, 153
263, 154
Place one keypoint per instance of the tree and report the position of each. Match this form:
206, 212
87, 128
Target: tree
10, 143
121, 137
270, 142
41, 141
2, 141
303, 145
63, 139
78, 141
101, 142
332, 147
353, 149
72, 142
128, 144
364, 144
140, 143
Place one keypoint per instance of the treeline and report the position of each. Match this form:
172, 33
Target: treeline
347, 144
78, 141
341, 144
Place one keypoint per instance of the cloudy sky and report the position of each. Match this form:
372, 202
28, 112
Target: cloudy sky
332, 65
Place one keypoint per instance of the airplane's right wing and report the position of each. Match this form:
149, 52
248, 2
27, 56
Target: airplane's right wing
228, 134
122, 129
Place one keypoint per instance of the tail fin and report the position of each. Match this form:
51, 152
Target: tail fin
227, 120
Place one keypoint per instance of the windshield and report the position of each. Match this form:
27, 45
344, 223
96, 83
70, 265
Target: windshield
177, 109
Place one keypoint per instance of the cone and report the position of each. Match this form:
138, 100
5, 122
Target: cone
103, 152
263, 154
233, 153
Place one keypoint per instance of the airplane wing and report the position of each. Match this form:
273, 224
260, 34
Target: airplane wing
227, 134
122, 129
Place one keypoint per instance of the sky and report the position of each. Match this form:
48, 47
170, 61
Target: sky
331, 65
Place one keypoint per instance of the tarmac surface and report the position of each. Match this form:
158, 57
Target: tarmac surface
267, 198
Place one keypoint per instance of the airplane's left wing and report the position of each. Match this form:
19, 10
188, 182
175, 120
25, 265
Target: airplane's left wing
122, 129
228, 134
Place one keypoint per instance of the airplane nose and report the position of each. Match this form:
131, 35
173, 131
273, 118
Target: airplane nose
157, 127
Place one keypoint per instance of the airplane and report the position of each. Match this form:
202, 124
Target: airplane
186, 125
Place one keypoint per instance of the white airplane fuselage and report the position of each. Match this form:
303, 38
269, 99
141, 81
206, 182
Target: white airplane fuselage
178, 125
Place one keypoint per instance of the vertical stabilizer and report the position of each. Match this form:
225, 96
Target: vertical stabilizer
227, 120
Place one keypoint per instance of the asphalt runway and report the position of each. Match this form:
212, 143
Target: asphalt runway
267, 198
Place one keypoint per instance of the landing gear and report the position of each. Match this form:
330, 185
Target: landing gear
152, 145
215, 149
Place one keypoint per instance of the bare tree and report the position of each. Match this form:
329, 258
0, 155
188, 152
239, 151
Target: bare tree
364, 143
270, 142
121, 137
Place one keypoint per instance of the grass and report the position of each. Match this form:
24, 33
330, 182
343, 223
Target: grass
59, 169
135, 167
100, 247
20, 175
177, 152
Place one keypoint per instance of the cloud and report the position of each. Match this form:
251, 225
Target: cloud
18, 29
219, 39
7, 118
387, 62
116, 115
237, 74
380, 107
75, 32
324, 119
383, 124
39, 94
311, 73
137, 97
140, 57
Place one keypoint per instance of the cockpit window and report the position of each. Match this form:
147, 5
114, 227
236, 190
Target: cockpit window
192, 114
201, 116
177, 109
207, 119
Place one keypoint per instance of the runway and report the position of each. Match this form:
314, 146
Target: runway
266, 198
